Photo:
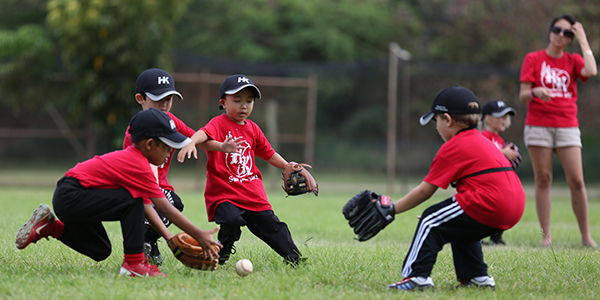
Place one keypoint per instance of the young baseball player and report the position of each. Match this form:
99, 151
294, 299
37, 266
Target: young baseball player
117, 186
496, 118
234, 194
489, 196
155, 88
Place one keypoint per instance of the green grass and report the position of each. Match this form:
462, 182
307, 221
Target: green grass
339, 267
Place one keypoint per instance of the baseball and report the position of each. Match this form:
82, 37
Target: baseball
243, 267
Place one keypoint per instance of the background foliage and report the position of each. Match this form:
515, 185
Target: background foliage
84, 57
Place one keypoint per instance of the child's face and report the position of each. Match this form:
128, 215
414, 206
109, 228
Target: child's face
239, 105
156, 152
497, 124
163, 104
442, 125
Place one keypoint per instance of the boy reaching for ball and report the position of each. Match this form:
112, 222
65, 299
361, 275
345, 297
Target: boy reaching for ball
117, 186
489, 198
155, 88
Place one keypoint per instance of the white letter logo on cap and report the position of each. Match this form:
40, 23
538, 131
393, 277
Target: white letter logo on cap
163, 80
172, 124
243, 79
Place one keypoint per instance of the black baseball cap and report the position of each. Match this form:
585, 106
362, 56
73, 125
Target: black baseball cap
152, 123
236, 83
497, 108
454, 100
156, 84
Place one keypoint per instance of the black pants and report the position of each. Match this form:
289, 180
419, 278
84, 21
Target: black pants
263, 224
151, 234
444, 223
83, 210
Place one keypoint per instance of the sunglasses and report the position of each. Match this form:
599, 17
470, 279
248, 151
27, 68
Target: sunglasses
566, 32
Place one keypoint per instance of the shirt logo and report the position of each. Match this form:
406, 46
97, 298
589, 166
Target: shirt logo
239, 163
243, 79
557, 80
163, 80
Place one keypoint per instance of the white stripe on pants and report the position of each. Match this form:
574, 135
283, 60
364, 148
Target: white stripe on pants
442, 216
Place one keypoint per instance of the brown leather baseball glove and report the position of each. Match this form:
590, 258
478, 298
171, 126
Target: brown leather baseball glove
297, 180
187, 250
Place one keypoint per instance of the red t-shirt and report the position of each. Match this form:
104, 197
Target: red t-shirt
127, 169
560, 76
495, 199
163, 170
234, 177
494, 137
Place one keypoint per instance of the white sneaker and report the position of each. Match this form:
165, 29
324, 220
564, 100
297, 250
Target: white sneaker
413, 284
488, 282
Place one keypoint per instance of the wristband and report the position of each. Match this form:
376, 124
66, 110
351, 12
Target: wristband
588, 52
531, 93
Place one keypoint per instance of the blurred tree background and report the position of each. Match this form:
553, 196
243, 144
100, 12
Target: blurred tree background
84, 56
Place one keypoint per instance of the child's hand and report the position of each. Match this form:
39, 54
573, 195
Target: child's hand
205, 240
510, 153
188, 150
231, 145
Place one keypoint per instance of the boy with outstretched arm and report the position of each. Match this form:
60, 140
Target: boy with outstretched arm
234, 194
489, 196
117, 186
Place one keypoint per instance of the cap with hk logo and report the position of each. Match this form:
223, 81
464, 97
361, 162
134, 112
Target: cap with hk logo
236, 83
455, 100
156, 84
153, 123
497, 108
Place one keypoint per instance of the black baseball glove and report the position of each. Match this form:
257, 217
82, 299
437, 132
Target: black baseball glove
297, 180
368, 213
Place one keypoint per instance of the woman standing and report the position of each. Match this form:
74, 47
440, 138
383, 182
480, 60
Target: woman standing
548, 85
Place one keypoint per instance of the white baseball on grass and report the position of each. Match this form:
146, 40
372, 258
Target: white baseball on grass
243, 267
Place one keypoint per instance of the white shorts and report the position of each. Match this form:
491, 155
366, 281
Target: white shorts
552, 137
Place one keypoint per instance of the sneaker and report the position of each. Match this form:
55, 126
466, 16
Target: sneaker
143, 269
295, 262
152, 253
498, 241
413, 284
487, 283
40, 225
227, 250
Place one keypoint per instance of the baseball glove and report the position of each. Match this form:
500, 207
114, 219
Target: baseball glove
368, 213
187, 250
515, 163
297, 180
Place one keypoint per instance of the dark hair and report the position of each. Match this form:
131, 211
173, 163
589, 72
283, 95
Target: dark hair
136, 138
569, 18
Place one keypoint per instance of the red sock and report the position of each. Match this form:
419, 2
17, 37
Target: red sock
58, 229
134, 259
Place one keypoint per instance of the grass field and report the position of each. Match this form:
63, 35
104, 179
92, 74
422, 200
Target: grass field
338, 266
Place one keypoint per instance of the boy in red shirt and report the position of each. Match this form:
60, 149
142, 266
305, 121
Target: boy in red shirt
489, 196
155, 88
117, 186
234, 194
496, 116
